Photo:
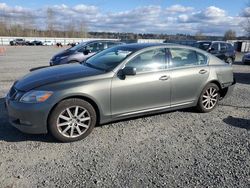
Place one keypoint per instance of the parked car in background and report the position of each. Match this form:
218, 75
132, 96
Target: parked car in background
73, 44
17, 42
48, 43
35, 43
82, 51
117, 83
246, 58
220, 49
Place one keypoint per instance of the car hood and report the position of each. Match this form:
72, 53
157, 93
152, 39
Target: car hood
54, 74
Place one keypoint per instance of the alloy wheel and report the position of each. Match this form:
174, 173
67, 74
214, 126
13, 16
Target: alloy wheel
210, 98
73, 121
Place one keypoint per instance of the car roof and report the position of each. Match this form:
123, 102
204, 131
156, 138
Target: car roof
139, 46
102, 41
213, 41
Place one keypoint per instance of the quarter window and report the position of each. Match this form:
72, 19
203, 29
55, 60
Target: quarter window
180, 57
151, 60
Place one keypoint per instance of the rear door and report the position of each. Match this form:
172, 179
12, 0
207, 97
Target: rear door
189, 73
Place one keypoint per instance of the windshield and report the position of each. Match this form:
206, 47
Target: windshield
203, 45
108, 59
78, 46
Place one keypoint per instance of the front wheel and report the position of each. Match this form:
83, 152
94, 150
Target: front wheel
72, 120
209, 98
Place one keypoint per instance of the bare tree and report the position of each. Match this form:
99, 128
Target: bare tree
51, 16
83, 31
199, 36
230, 35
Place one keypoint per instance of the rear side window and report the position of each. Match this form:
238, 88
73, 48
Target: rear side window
95, 47
180, 57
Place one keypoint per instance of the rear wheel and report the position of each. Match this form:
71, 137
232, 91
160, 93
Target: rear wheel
72, 120
209, 98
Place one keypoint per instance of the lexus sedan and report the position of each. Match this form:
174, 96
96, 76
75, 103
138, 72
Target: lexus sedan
82, 51
120, 82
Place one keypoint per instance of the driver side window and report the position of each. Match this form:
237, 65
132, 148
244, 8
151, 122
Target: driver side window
95, 47
152, 60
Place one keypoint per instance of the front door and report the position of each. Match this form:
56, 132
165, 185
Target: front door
148, 89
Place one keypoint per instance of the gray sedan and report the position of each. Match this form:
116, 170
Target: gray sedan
117, 83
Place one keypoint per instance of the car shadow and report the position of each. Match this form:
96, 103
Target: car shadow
238, 122
242, 78
37, 68
10, 134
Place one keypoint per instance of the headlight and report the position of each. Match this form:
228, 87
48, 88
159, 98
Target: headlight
62, 57
36, 96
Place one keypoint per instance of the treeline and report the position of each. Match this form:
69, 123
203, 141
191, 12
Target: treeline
19, 31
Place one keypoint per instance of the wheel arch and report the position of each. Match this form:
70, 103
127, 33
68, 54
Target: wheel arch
88, 99
223, 91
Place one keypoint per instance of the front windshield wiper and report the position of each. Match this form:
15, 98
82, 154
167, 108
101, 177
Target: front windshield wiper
95, 67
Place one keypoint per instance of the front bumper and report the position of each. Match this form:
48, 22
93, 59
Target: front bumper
28, 118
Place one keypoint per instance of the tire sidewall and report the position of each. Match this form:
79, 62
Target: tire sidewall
61, 107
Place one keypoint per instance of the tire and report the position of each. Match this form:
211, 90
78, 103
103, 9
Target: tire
69, 128
209, 98
230, 60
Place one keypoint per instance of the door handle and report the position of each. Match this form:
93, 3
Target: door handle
203, 71
163, 78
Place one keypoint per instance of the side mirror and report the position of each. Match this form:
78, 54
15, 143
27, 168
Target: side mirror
131, 71
86, 52
126, 71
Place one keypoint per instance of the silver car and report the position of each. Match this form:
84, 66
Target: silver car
117, 83
82, 51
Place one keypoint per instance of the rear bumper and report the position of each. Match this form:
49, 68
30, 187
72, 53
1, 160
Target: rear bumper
230, 89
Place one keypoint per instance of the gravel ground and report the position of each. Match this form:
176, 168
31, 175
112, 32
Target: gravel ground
175, 149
